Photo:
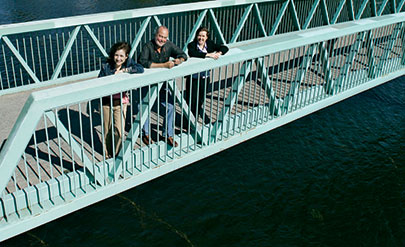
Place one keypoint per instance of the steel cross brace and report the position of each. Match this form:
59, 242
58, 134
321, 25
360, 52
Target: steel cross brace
274, 104
20, 59
230, 101
388, 49
65, 53
299, 77
370, 55
96, 41
88, 164
354, 49
311, 14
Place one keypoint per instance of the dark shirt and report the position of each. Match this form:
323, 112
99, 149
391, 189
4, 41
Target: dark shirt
193, 51
109, 69
150, 54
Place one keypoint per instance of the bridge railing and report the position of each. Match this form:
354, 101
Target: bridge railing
46, 52
55, 153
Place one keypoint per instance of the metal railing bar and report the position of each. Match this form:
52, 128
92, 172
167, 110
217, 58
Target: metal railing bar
325, 13
362, 8
294, 14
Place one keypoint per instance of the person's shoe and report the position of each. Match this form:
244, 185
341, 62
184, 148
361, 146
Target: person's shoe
172, 142
146, 139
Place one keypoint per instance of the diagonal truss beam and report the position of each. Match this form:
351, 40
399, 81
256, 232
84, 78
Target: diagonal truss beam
139, 35
311, 14
382, 7
338, 12
343, 74
361, 10
350, 9
325, 13
388, 49
216, 26
259, 19
400, 5
241, 23
373, 7
299, 78
370, 54
91, 168
274, 103
20, 59
293, 11
324, 48
65, 53
279, 18
403, 46
96, 41
230, 101
196, 26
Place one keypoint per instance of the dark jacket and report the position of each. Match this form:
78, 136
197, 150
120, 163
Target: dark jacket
211, 47
150, 55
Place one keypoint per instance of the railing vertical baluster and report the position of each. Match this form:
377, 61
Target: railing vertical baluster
224, 119
103, 144
82, 152
60, 151
90, 107
39, 59
46, 57
218, 101
71, 148
48, 146
37, 157
51, 45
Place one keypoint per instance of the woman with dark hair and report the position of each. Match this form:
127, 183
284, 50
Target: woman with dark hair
201, 47
117, 62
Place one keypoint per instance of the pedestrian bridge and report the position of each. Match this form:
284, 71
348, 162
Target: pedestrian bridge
287, 59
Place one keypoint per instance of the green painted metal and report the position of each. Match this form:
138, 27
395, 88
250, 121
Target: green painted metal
247, 64
91, 46
387, 51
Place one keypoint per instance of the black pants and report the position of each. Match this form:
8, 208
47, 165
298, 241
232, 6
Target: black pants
197, 88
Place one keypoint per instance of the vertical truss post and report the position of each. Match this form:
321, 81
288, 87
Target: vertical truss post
65, 53
354, 49
20, 59
388, 48
299, 78
241, 23
370, 54
88, 164
231, 99
311, 14
293, 12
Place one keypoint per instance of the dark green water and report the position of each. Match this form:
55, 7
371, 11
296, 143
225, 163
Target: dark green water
334, 178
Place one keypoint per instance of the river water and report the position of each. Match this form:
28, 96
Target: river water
334, 178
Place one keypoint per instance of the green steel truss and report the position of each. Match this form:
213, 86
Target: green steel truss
51, 164
46, 52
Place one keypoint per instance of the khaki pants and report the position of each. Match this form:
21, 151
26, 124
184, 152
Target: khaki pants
118, 128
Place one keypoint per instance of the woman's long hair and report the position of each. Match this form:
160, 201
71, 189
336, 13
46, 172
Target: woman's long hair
118, 46
200, 30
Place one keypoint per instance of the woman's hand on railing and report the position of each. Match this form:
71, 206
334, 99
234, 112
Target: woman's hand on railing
214, 55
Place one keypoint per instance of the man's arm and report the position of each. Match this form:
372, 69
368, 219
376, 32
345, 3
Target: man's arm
177, 53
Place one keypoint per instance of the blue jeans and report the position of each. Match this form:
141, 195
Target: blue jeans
166, 111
